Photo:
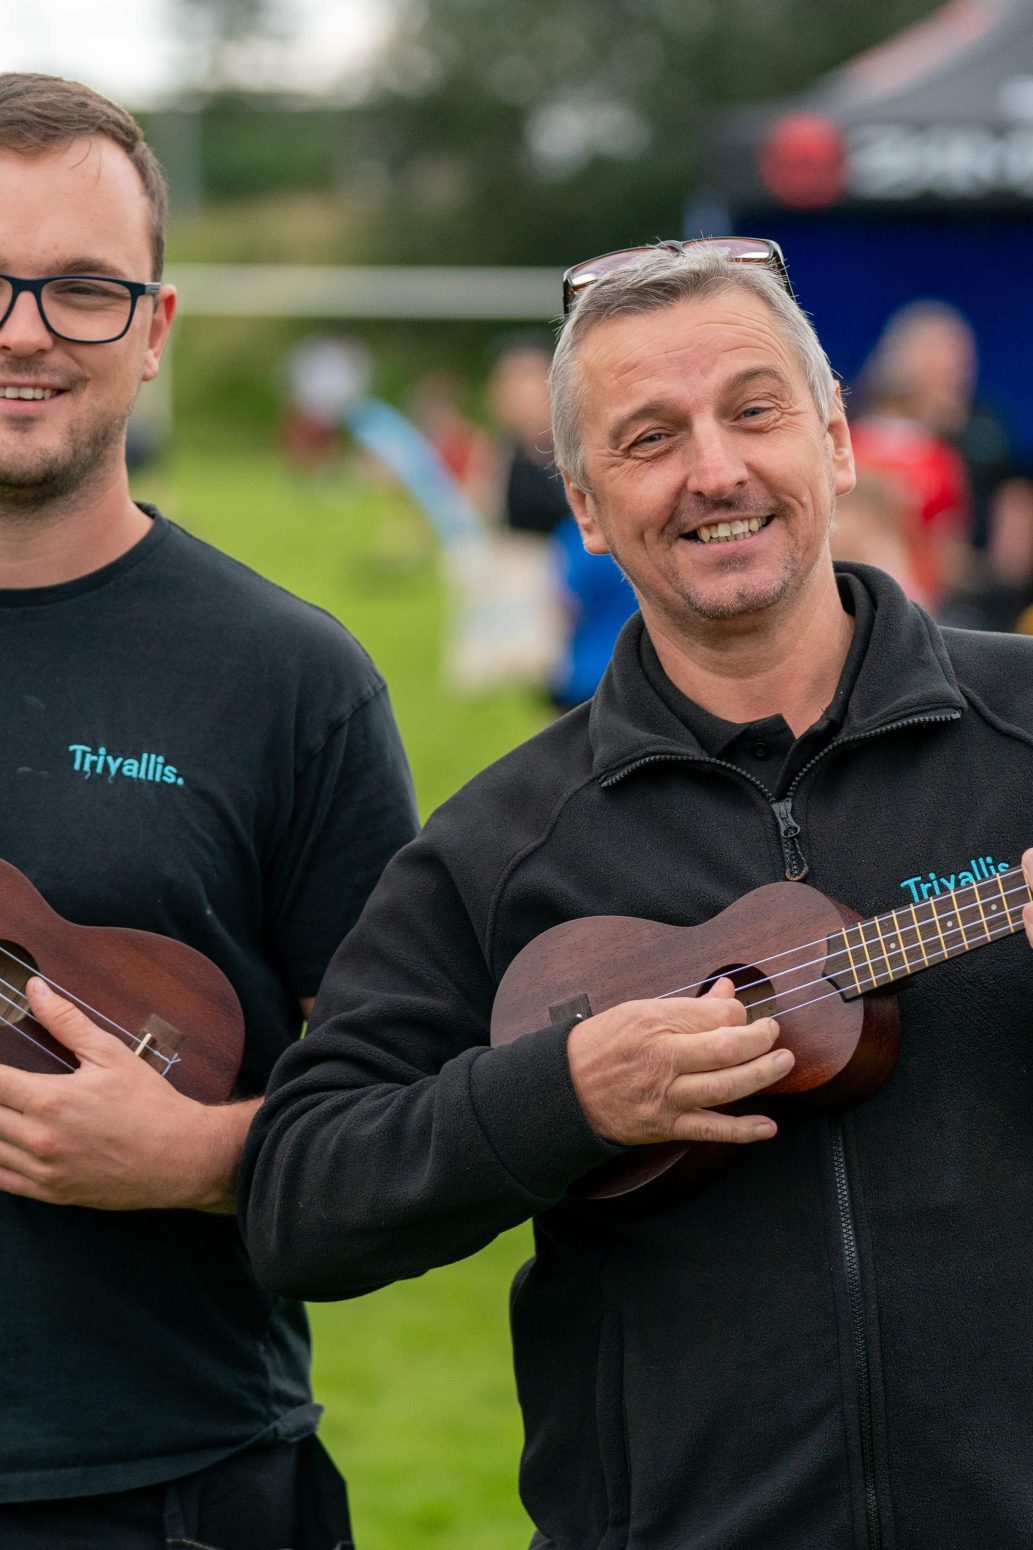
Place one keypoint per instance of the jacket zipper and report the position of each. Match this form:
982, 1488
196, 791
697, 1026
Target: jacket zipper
796, 868
796, 864
859, 1337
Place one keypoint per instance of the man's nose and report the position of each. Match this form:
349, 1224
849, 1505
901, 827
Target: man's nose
715, 464
23, 331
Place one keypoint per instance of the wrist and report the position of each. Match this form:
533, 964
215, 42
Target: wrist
220, 1136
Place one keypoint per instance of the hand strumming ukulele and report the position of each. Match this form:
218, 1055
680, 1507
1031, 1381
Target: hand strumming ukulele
792, 954
163, 999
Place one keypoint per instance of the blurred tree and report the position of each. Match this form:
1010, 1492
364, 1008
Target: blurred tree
531, 130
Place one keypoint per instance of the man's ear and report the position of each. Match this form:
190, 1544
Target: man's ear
582, 504
158, 331
843, 473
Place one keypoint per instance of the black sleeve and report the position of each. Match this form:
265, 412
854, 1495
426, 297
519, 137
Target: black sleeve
392, 1138
353, 809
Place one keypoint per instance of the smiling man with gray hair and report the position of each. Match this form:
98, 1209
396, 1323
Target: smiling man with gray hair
763, 1362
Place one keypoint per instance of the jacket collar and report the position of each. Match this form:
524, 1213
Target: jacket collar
905, 673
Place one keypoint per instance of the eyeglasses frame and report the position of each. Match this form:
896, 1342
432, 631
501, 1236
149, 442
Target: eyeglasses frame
773, 259
136, 289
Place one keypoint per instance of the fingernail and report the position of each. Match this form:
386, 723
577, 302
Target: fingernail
764, 1127
42, 989
782, 1059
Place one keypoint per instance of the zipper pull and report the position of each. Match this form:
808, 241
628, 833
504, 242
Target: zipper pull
788, 828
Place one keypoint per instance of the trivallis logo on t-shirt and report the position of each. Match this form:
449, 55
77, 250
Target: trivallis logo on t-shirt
89, 762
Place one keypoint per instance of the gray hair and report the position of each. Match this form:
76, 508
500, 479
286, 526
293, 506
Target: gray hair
662, 278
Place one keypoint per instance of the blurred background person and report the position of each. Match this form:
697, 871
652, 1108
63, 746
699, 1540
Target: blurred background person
532, 498
892, 441
325, 376
468, 452
997, 592
928, 351
597, 602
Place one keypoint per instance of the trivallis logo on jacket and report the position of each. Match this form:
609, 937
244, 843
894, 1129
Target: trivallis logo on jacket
977, 870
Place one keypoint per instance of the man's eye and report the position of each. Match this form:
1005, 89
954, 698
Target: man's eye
751, 411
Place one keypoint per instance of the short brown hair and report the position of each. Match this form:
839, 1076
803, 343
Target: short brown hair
41, 112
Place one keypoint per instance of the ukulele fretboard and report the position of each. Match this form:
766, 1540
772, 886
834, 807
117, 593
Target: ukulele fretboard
889, 947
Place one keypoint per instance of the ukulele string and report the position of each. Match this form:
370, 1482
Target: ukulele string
871, 983
18, 1004
24, 1034
844, 952
62, 990
872, 978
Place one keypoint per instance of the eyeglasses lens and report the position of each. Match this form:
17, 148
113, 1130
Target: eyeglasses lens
81, 308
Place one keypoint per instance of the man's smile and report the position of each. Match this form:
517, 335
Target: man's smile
34, 393
730, 530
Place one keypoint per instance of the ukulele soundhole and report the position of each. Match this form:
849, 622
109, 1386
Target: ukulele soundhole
16, 969
751, 988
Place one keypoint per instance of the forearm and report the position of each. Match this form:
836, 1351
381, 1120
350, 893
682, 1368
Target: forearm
352, 1179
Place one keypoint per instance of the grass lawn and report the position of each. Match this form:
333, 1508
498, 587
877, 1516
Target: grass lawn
416, 1379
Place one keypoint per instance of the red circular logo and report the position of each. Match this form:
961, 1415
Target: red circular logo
803, 161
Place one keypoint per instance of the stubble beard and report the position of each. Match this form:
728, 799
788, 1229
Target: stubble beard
32, 484
751, 597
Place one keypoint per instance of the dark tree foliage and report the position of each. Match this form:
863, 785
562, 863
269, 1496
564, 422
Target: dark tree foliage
539, 131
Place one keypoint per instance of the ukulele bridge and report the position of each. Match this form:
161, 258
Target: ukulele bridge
164, 1055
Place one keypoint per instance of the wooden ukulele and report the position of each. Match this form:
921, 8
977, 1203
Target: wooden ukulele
792, 954
165, 1000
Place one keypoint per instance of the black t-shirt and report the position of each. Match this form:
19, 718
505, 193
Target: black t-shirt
190, 750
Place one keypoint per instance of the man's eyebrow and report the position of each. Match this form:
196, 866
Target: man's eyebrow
656, 409
756, 374
88, 264
666, 408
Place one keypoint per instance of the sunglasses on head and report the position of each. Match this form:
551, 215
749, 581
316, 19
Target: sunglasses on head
743, 250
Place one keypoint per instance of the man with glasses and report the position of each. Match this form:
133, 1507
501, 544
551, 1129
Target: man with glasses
190, 751
825, 1344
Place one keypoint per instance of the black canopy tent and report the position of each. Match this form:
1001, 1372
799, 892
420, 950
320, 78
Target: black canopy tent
907, 172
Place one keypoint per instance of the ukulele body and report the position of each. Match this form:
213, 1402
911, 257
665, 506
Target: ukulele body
845, 1049
163, 999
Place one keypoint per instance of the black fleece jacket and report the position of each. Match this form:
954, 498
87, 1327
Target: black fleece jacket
829, 1346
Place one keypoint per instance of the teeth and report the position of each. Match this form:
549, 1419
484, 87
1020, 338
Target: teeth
725, 532
28, 392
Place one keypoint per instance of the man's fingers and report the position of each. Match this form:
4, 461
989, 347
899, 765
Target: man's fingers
723, 988
693, 1014
1027, 913
705, 1088
736, 1129
68, 1025
713, 1051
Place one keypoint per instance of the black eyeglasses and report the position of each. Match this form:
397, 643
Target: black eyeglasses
743, 250
82, 308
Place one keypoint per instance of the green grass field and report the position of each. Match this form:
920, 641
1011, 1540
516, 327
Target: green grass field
416, 1379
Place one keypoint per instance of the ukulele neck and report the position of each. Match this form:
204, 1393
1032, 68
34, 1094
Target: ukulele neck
889, 947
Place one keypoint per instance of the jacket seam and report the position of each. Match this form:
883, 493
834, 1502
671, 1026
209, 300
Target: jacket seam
1006, 728
516, 860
